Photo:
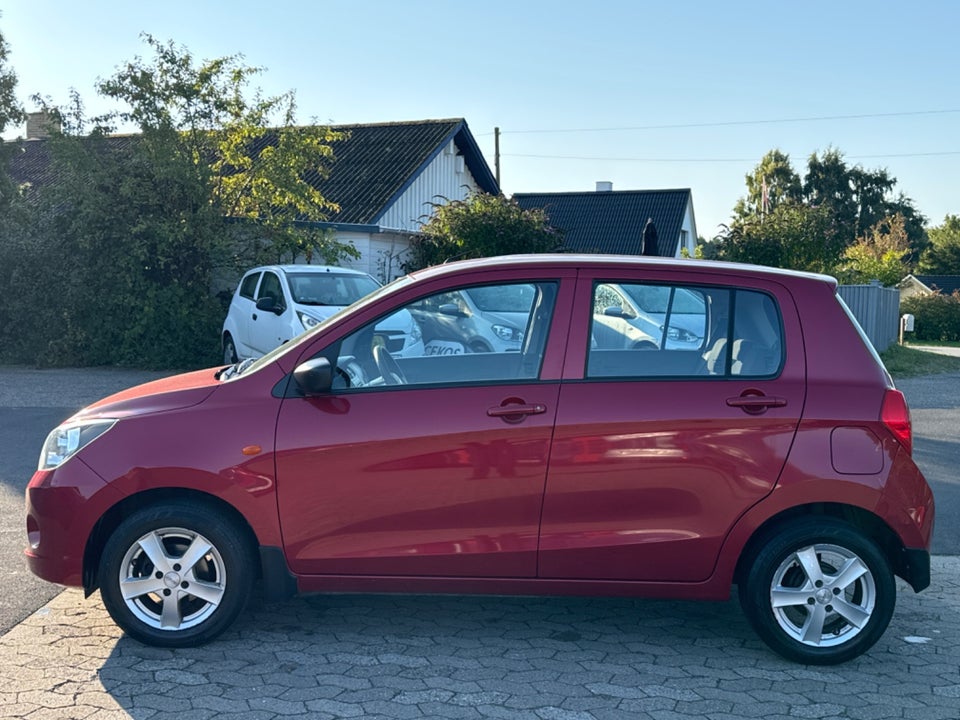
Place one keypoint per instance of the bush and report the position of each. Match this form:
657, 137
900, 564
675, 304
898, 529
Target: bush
937, 316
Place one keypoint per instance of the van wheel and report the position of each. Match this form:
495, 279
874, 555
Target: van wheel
229, 351
818, 592
176, 575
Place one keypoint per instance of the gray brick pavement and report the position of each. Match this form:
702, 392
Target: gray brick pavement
479, 657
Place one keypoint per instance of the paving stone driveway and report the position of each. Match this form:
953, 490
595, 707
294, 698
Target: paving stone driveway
479, 657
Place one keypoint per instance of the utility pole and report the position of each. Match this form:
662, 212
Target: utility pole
496, 154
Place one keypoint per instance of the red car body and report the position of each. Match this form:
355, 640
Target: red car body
658, 486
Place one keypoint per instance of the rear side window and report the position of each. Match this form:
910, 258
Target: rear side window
249, 285
665, 331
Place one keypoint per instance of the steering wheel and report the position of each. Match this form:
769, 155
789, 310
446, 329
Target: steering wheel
389, 370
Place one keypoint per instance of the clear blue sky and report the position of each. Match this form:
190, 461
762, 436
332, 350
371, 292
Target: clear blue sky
574, 87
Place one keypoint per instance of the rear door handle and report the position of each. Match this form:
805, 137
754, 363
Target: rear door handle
756, 403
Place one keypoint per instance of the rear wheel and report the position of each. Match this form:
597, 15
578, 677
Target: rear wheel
176, 575
818, 592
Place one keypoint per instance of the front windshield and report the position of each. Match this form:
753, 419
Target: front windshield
502, 298
337, 289
246, 367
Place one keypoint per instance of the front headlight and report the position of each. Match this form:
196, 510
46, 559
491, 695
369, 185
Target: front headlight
308, 321
66, 440
510, 334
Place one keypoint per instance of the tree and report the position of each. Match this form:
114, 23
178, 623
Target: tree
793, 236
943, 255
482, 225
10, 110
771, 183
135, 227
848, 201
253, 160
878, 255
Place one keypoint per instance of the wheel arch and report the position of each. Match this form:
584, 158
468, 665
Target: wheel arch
112, 518
870, 524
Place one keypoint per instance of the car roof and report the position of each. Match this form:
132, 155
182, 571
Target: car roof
584, 260
298, 268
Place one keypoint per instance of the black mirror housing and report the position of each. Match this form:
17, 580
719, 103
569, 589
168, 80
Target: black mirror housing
314, 377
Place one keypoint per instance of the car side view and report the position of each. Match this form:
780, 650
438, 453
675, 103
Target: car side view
767, 448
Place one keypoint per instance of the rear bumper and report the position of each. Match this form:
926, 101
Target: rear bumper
916, 568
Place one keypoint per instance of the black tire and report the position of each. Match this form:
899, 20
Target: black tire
782, 565
229, 350
145, 548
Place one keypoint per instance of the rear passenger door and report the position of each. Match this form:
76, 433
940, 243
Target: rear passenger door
658, 450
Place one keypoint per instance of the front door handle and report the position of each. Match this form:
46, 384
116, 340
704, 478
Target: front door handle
516, 412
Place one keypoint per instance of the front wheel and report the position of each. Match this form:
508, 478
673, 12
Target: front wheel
176, 575
229, 351
818, 592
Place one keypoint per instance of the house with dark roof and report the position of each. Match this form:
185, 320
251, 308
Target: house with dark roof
385, 179
609, 221
928, 284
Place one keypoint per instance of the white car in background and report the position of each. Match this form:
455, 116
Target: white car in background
275, 303
669, 318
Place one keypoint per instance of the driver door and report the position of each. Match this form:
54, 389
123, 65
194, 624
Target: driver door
427, 466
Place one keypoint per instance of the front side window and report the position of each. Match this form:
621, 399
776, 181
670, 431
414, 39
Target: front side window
249, 285
462, 343
683, 331
270, 288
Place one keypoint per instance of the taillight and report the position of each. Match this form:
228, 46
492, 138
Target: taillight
895, 415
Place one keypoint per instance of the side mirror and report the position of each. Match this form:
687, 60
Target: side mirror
453, 310
615, 311
314, 377
270, 304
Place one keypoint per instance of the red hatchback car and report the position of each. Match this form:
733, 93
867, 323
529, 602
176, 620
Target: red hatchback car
768, 450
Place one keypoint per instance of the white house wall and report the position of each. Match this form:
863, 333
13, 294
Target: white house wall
446, 177
689, 225
381, 254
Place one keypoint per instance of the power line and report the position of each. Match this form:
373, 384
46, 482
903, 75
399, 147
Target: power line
729, 123
718, 160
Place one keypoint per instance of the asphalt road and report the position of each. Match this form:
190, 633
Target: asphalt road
34, 401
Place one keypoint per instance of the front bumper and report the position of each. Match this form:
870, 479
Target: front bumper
62, 507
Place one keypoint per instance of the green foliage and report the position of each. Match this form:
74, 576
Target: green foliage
114, 263
943, 255
792, 236
10, 110
482, 225
848, 202
937, 316
775, 174
880, 255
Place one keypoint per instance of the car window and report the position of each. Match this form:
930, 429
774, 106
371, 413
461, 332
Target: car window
249, 285
461, 345
270, 288
337, 289
680, 332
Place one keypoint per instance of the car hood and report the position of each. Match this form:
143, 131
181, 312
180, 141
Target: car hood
397, 321
170, 393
